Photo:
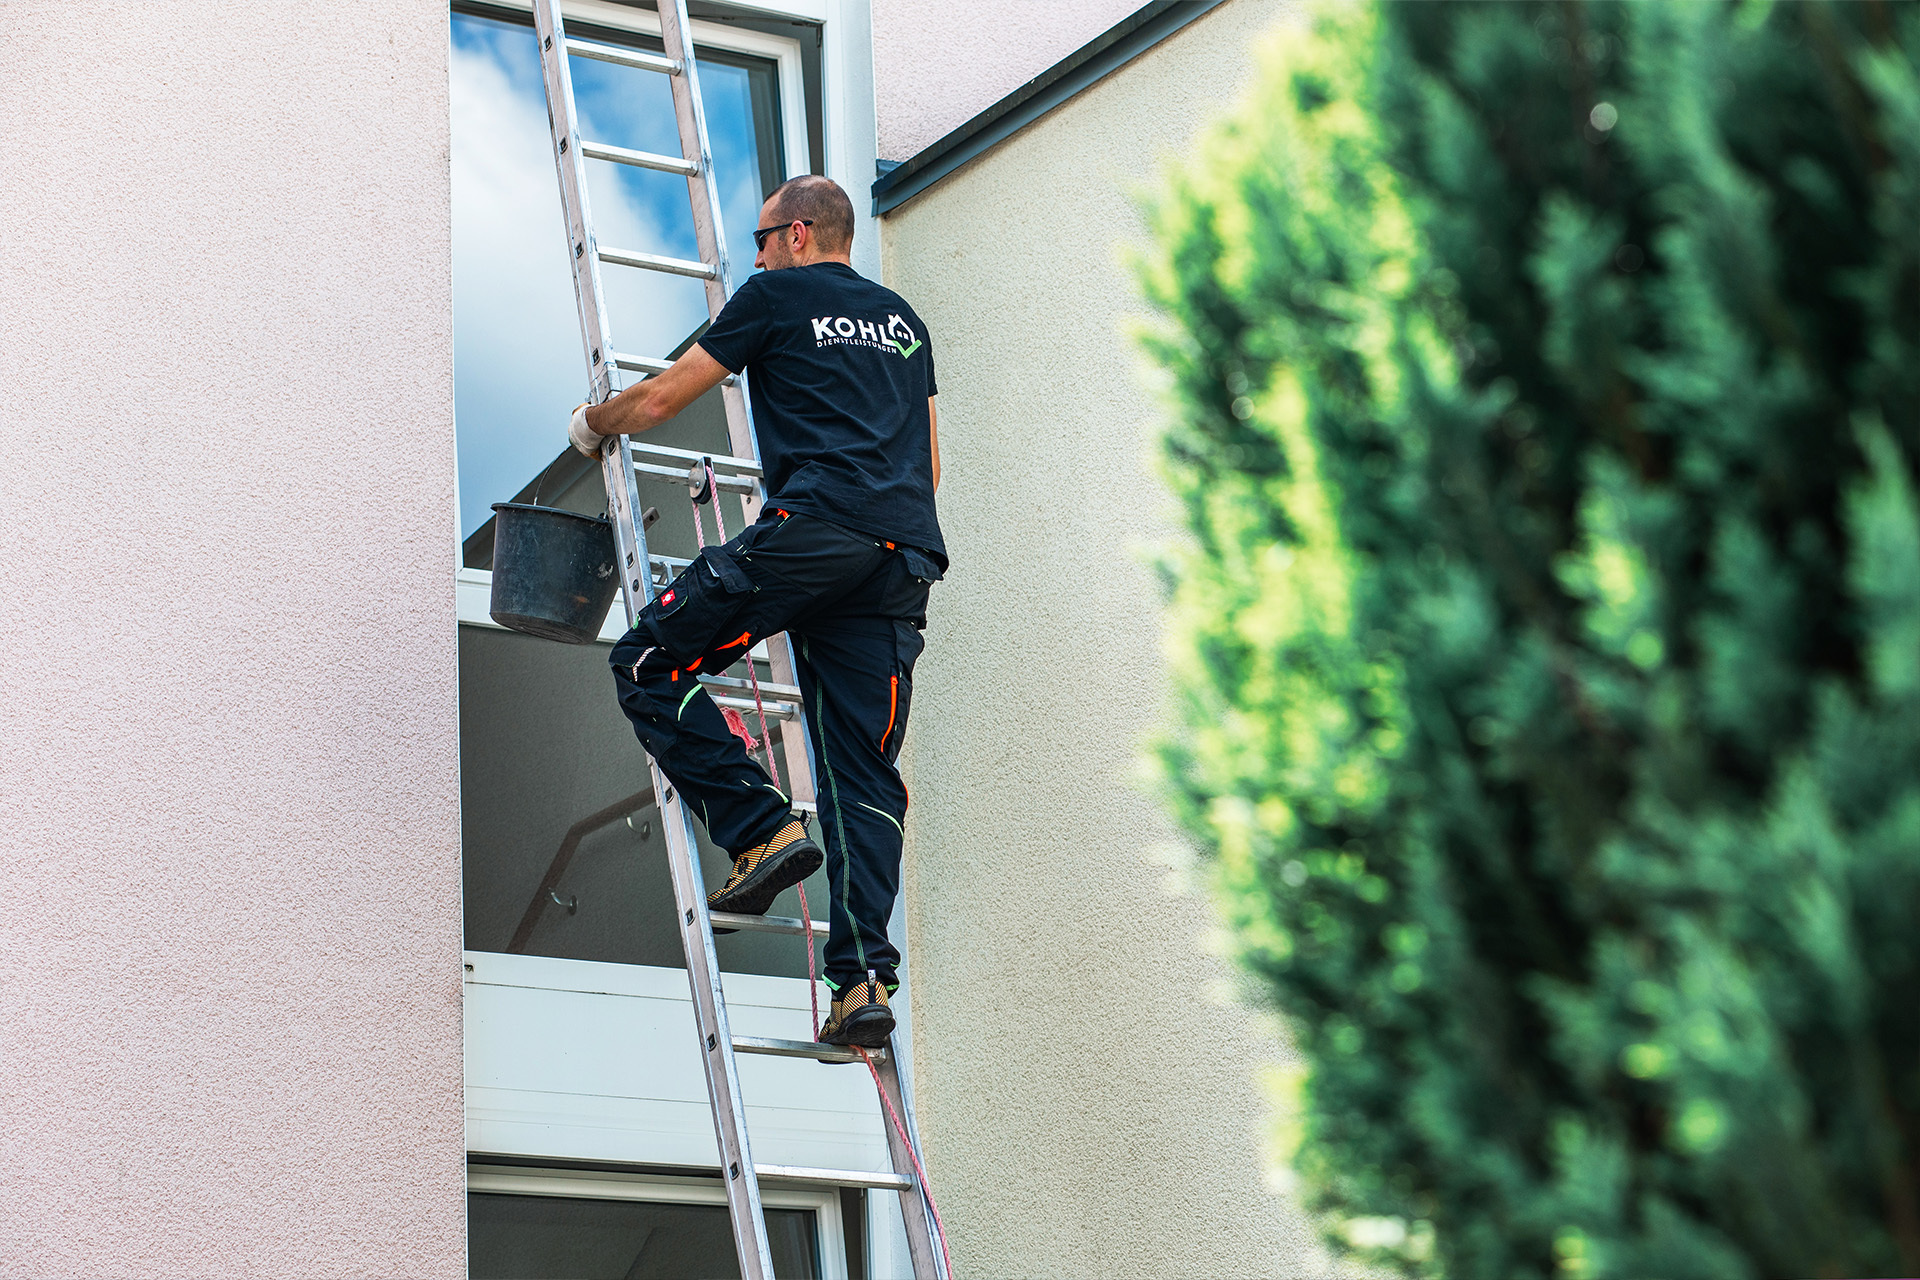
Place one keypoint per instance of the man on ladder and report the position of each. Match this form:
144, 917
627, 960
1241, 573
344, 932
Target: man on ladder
841, 558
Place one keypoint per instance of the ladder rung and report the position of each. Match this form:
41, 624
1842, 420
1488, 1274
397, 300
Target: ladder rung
652, 364
671, 475
768, 924
655, 262
638, 159
768, 689
800, 1049
775, 710
721, 462
623, 57
835, 1177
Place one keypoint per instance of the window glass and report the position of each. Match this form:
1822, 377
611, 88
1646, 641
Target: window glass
533, 1237
562, 848
518, 365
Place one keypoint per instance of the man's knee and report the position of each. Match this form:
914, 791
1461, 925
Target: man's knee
641, 668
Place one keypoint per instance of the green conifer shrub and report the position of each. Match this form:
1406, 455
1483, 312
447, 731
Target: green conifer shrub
1546, 396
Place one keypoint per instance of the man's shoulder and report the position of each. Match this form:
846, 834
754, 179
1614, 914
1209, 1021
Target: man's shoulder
807, 289
748, 302
786, 286
876, 294
754, 286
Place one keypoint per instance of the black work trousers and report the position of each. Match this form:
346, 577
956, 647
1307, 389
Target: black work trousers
854, 610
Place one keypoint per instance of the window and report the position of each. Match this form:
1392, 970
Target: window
526, 1224
561, 844
562, 848
579, 1040
518, 367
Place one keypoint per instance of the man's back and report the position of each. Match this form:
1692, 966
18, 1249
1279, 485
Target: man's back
841, 370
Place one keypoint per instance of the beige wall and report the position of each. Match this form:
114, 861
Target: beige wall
230, 971
1089, 1098
937, 64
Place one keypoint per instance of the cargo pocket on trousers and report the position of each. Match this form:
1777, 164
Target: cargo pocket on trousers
687, 617
907, 644
921, 565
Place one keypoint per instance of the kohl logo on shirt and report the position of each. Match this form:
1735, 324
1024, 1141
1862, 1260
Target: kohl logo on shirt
897, 336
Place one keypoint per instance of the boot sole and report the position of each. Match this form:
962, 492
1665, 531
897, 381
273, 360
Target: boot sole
752, 896
866, 1028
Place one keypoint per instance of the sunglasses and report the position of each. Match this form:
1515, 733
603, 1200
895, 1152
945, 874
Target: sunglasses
760, 236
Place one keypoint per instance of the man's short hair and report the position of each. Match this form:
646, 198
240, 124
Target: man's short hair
811, 197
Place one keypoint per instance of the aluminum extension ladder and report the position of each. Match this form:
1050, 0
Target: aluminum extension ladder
625, 461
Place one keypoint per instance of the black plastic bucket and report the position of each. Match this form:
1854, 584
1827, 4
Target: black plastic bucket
553, 571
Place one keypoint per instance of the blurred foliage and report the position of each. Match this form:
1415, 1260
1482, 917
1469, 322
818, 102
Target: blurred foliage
1546, 396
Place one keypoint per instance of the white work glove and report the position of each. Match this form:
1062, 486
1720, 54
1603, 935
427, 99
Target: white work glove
583, 436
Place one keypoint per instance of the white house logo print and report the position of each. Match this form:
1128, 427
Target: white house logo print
898, 336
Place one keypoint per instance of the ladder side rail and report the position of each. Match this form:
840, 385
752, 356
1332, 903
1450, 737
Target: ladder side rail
572, 165
922, 1250
895, 1074
746, 1213
703, 968
703, 192
737, 1169
703, 188
796, 744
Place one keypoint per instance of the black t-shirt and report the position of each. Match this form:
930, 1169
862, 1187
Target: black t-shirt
840, 369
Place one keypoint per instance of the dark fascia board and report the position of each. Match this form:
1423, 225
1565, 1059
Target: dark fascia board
1106, 53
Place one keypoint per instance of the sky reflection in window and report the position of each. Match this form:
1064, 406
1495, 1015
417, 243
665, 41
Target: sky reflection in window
518, 366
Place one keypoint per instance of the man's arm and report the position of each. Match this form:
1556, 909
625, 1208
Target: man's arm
933, 438
650, 403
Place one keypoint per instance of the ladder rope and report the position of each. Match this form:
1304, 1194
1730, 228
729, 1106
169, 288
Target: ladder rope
813, 982
920, 1171
906, 1139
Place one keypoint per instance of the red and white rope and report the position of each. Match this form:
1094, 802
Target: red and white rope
806, 916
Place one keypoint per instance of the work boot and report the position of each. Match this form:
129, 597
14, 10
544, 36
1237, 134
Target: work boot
859, 1016
760, 873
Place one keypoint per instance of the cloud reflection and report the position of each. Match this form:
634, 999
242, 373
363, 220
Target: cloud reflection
518, 367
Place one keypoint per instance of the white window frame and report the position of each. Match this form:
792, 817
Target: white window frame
781, 50
509, 1180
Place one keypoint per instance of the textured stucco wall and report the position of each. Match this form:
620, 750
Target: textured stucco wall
937, 64
229, 837
1089, 1097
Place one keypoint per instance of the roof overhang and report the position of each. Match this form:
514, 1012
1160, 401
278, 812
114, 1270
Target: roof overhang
1088, 64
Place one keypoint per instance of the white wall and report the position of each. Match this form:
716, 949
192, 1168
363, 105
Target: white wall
230, 973
938, 63
1089, 1094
